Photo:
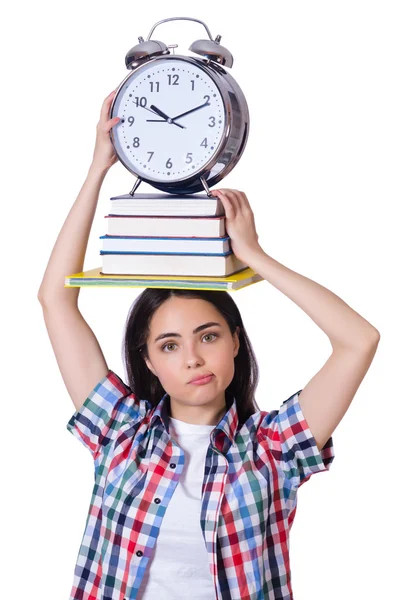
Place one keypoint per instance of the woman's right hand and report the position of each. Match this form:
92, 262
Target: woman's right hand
104, 154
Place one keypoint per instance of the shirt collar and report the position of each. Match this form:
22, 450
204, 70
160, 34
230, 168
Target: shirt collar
226, 429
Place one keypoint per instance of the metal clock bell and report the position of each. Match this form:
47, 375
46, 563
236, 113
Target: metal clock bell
184, 120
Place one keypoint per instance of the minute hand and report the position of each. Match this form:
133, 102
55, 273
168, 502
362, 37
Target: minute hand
190, 111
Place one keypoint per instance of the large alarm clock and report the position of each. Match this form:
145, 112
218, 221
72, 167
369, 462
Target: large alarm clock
184, 120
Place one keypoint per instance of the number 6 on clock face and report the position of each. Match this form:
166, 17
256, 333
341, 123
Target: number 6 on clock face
177, 123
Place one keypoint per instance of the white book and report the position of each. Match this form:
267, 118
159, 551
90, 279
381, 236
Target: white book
171, 264
173, 226
166, 204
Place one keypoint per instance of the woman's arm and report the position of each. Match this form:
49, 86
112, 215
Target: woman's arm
79, 356
68, 254
327, 396
344, 326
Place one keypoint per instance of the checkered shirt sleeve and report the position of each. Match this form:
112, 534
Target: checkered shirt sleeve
292, 443
98, 420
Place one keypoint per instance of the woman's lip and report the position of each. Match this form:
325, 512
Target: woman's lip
203, 380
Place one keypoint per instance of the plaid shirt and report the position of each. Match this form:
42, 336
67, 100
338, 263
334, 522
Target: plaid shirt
249, 493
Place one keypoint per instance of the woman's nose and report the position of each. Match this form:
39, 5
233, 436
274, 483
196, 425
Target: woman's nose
194, 362
193, 357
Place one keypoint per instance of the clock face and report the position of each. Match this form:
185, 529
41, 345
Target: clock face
172, 120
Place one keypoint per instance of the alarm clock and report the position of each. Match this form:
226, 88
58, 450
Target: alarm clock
184, 119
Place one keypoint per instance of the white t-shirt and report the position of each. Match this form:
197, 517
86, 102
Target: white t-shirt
179, 568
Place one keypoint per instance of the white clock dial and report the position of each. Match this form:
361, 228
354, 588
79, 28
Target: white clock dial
155, 136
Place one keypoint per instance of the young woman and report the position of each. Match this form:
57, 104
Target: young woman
195, 487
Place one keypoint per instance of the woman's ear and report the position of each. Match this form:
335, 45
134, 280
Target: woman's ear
150, 367
236, 340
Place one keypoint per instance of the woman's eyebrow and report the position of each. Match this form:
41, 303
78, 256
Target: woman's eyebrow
199, 328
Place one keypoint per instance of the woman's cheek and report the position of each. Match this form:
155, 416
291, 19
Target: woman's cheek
224, 367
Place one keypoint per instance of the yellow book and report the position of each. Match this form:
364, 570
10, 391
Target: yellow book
94, 278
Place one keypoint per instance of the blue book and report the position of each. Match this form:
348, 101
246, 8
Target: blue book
166, 245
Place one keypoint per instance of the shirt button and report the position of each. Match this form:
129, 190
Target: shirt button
139, 553
157, 500
172, 465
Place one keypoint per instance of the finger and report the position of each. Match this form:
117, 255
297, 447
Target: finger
110, 96
111, 123
236, 198
106, 106
227, 204
233, 199
244, 201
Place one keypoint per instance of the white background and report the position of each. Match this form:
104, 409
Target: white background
319, 171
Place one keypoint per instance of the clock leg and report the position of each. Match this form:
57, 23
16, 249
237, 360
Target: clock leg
136, 185
207, 189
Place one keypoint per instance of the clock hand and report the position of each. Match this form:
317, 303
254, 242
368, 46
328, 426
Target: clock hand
166, 117
169, 120
152, 111
163, 121
190, 111
160, 113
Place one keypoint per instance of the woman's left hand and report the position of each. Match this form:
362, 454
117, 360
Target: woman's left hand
240, 223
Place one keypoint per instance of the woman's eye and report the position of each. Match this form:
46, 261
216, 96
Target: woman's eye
214, 335
166, 345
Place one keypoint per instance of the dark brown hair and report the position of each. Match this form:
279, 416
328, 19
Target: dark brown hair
147, 386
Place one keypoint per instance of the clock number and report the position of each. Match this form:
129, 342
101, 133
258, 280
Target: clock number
168, 164
192, 82
189, 157
151, 155
131, 120
207, 99
153, 83
204, 143
212, 119
141, 101
136, 142
175, 82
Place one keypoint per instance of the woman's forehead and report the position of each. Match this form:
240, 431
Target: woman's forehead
185, 313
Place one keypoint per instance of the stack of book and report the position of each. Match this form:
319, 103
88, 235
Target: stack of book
167, 240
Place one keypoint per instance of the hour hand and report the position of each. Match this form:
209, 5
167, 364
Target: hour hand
161, 113
166, 117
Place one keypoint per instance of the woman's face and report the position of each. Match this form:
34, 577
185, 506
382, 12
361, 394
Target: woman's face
181, 353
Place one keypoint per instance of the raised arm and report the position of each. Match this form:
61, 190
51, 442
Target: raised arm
79, 356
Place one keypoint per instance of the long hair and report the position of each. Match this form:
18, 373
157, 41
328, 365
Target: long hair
147, 386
